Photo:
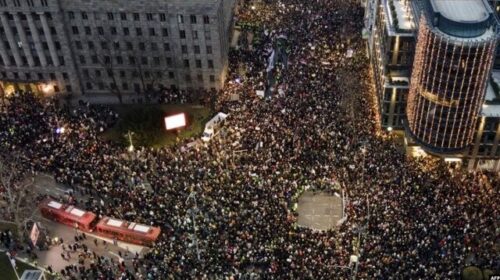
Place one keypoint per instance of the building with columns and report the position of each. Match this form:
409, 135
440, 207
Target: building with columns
100, 47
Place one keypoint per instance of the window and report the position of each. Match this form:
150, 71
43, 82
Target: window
90, 45
71, 15
131, 60
78, 45
200, 78
87, 30
125, 86
144, 60
169, 61
209, 49
198, 63
104, 45
152, 32
206, 20
184, 49
100, 30
208, 37
212, 78
154, 46
182, 34
197, 49
195, 34
186, 63
111, 16
166, 47
69, 88
130, 46
137, 17
89, 86
84, 15
156, 60
142, 46
75, 30
98, 73
180, 18
149, 17
193, 19
65, 76
94, 59
123, 16
138, 31
210, 64
112, 30
164, 32
126, 31
187, 78
122, 74
44, 3
57, 45
171, 75
163, 17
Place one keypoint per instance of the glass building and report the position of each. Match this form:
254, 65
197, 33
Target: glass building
453, 60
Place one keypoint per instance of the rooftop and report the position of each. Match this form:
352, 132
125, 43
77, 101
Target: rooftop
399, 11
462, 10
491, 107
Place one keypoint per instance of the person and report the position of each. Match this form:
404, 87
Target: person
409, 217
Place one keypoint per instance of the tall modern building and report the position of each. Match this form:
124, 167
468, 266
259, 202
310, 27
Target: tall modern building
95, 47
452, 65
439, 94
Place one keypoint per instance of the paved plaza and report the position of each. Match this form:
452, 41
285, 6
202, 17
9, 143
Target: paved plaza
319, 210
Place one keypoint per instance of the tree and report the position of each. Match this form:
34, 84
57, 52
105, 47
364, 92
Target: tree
17, 196
106, 61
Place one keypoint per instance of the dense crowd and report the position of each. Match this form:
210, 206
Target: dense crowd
405, 220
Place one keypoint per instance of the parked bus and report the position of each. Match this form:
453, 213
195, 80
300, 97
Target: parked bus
68, 215
106, 227
128, 232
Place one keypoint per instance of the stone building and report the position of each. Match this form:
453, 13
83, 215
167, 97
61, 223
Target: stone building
98, 47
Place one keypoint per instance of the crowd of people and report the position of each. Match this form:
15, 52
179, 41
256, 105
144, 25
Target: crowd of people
405, 220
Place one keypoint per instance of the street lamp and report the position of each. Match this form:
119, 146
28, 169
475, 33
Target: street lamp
389, 128
131, 144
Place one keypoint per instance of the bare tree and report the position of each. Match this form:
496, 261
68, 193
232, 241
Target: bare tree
16, 196
106, 61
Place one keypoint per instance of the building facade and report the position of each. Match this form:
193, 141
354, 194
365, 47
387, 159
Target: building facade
482, 149
452, 65
392, 54
101, 46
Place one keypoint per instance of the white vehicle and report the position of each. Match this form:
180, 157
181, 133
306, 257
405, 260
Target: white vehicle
212, 125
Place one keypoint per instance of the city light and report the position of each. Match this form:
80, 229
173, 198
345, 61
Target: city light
47, 88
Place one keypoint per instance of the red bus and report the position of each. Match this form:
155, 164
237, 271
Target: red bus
127, 232
68, 215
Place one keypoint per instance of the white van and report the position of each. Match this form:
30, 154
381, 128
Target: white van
212, 125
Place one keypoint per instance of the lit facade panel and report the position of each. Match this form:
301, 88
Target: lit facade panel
448, 87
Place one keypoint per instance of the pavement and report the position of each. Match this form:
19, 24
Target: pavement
319, 210
45, 184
